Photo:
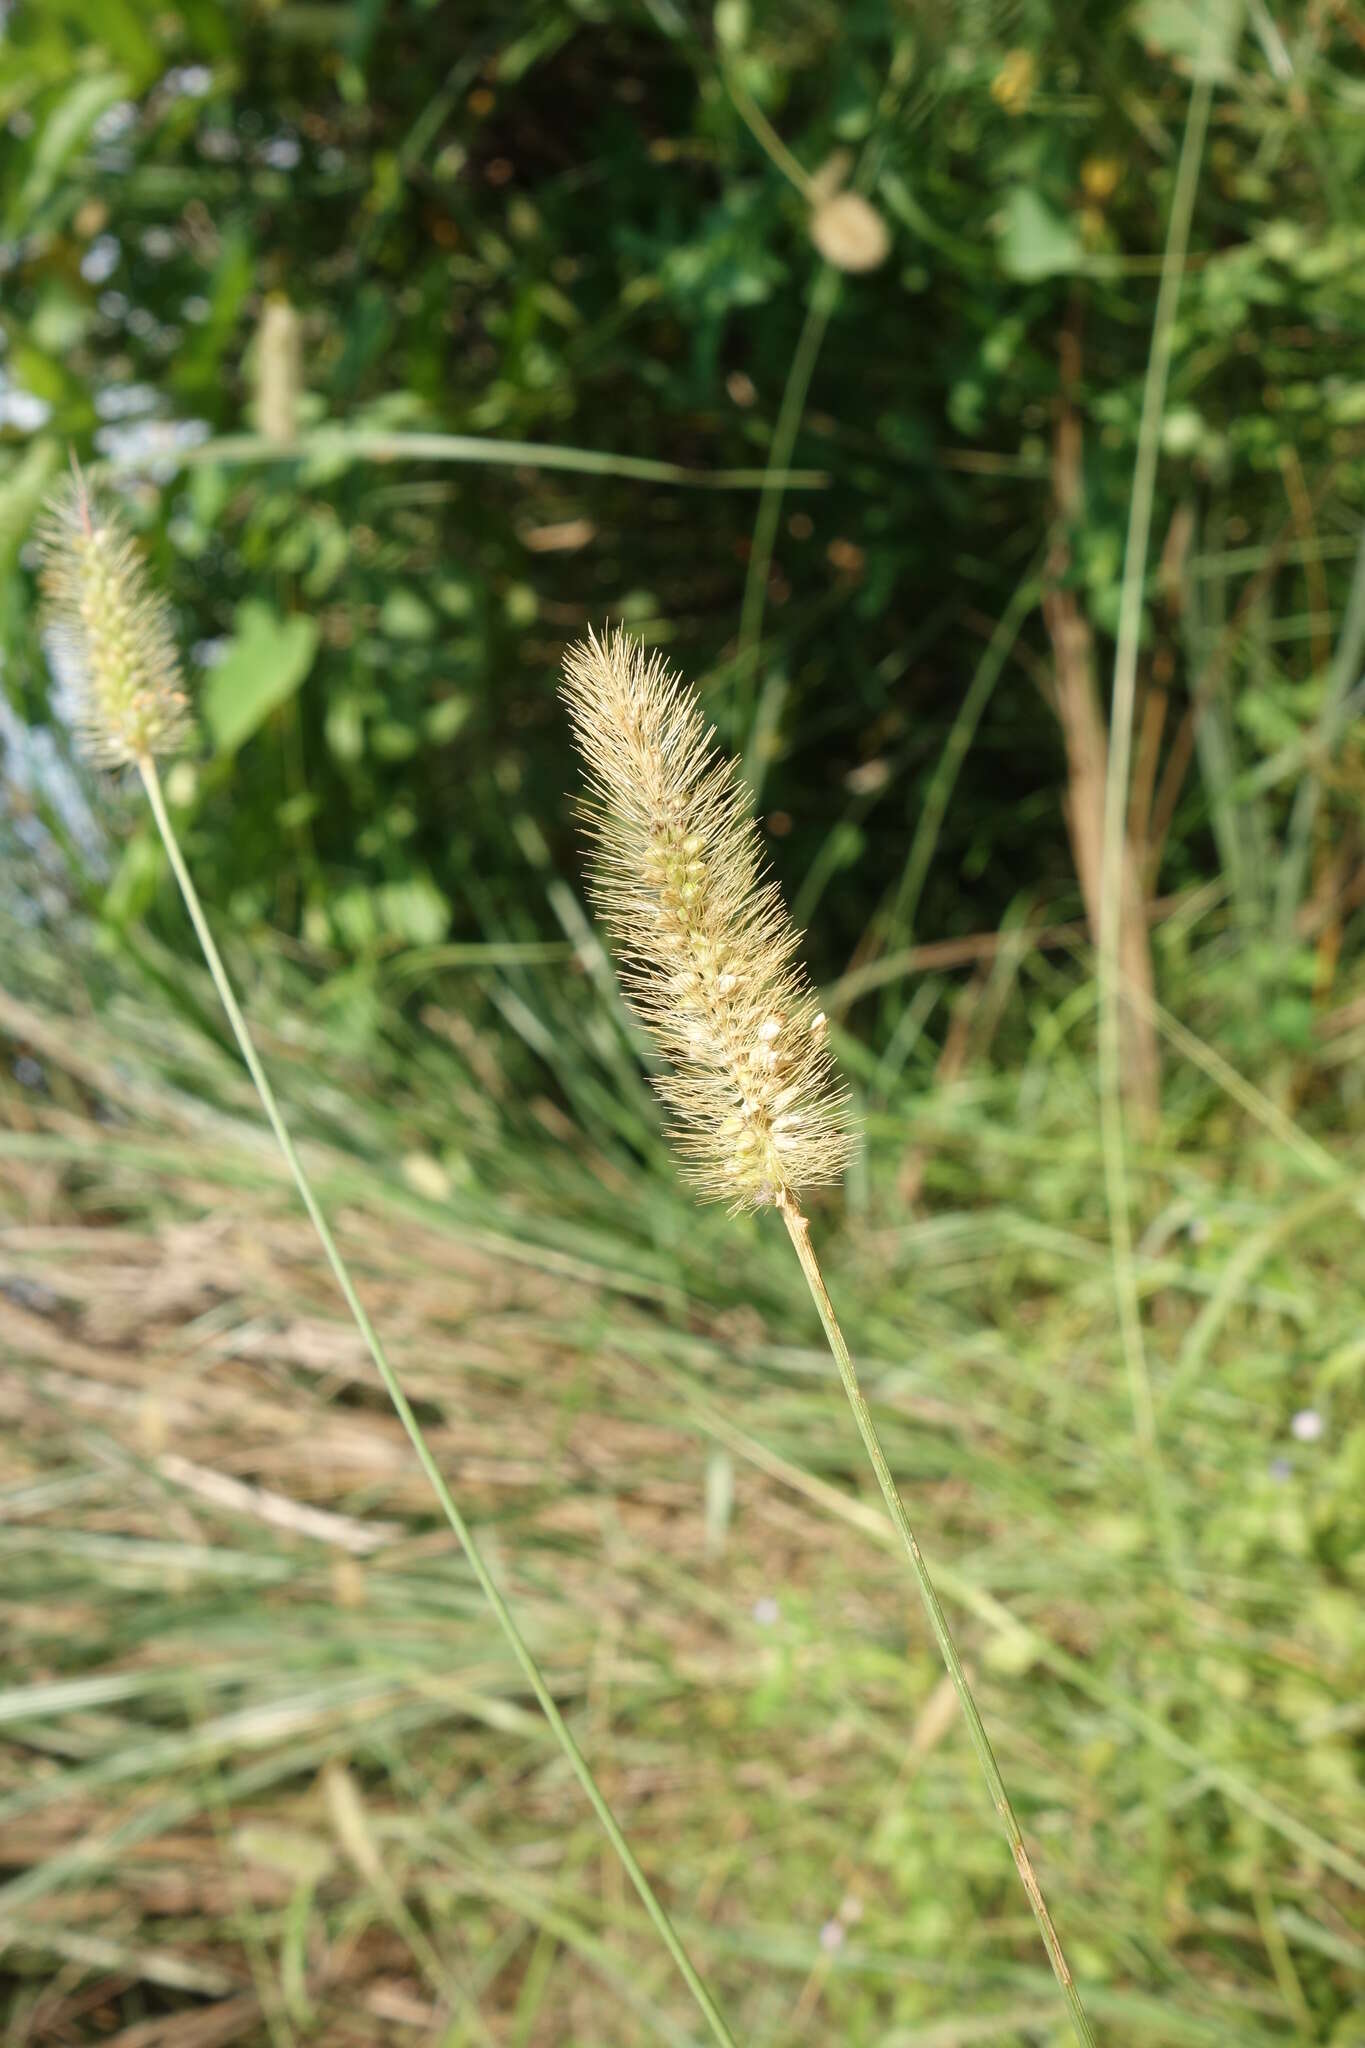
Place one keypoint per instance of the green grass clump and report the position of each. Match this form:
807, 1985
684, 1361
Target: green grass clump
278, 1769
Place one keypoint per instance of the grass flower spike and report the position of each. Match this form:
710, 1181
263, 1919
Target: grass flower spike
706, 943
708, 958
113, 632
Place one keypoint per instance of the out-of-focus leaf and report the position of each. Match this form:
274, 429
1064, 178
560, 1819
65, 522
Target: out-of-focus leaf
121, 28
61, 135
405, 616
132, 886
1201, 35
200, 355
267, 660
541, 41
414, 910
45, 377
22, 489
1036, 242
445, 719
210, 26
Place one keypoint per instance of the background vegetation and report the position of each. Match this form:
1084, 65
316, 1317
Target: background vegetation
568, 350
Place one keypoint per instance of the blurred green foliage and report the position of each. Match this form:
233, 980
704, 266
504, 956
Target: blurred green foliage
581, 225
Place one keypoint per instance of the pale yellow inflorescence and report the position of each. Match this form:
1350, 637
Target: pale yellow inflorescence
707, 947
113, 630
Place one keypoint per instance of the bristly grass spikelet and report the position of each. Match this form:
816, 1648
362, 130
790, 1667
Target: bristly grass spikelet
708, 962
112, 631
706, 944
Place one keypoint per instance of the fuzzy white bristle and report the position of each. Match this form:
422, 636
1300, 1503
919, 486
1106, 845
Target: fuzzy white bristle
706, 944
112, 631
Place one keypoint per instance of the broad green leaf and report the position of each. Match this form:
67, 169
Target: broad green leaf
414, 909
405, 616
267, 660
62, 134
122, 28
445, 719
1202, 35
1036, 242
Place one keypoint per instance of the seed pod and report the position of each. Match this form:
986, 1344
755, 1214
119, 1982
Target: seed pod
279, 370
849, 233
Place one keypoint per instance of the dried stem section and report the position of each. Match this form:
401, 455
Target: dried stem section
1075, 699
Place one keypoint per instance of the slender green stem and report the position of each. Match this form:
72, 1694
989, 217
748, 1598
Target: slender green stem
897, 925
824, 295
766, 135
1343, 673
799, 1231
1112, 1133
362, 445
530, 1669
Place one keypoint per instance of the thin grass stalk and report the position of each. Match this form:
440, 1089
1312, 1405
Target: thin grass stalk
530, 1670
361, 445
708, 952
1342, 674
1112, 1133
776, 482
798, 1229
896, 925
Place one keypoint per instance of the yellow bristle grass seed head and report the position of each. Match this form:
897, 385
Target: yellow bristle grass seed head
111, 630
707, 948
